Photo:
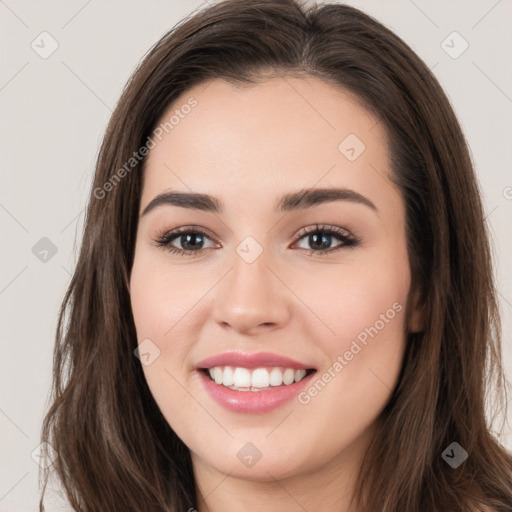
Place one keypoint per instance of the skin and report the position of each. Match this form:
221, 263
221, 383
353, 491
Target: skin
248, 146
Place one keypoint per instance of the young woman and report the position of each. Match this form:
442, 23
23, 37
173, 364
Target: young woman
284, 297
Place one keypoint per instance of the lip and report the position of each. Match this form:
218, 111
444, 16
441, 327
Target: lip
252, 402
251, 361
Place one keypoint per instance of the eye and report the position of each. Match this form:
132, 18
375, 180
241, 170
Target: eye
190, 239
320, 238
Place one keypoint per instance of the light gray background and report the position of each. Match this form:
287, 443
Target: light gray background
54, 112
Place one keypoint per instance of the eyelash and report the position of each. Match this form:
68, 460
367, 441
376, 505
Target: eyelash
347, 240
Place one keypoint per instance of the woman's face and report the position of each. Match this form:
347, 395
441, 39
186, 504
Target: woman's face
270, 277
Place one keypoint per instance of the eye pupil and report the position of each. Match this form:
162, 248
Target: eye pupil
188, 240
320, 241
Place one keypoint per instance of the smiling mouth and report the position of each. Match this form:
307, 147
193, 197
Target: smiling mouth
255, 379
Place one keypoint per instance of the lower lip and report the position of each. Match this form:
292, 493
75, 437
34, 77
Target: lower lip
253, 401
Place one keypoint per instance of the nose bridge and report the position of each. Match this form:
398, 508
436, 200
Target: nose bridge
251, 297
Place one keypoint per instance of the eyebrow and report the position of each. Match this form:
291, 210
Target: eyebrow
299, 200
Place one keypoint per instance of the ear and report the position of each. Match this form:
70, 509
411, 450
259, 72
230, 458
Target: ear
416, 309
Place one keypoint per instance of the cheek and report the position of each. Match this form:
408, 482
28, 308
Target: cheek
370, 308
162, 295
356, 301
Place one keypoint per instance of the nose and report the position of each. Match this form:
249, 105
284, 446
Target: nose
251, 299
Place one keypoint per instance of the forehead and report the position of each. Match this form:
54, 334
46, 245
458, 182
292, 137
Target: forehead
261, 140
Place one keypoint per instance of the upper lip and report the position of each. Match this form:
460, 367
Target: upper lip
258, 360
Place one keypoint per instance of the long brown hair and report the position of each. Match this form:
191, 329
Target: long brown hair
115, 449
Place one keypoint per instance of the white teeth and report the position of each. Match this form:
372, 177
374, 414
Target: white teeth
260, 378
276, 377
228, 376
217, 375
299, 375
243, 379
288, 376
